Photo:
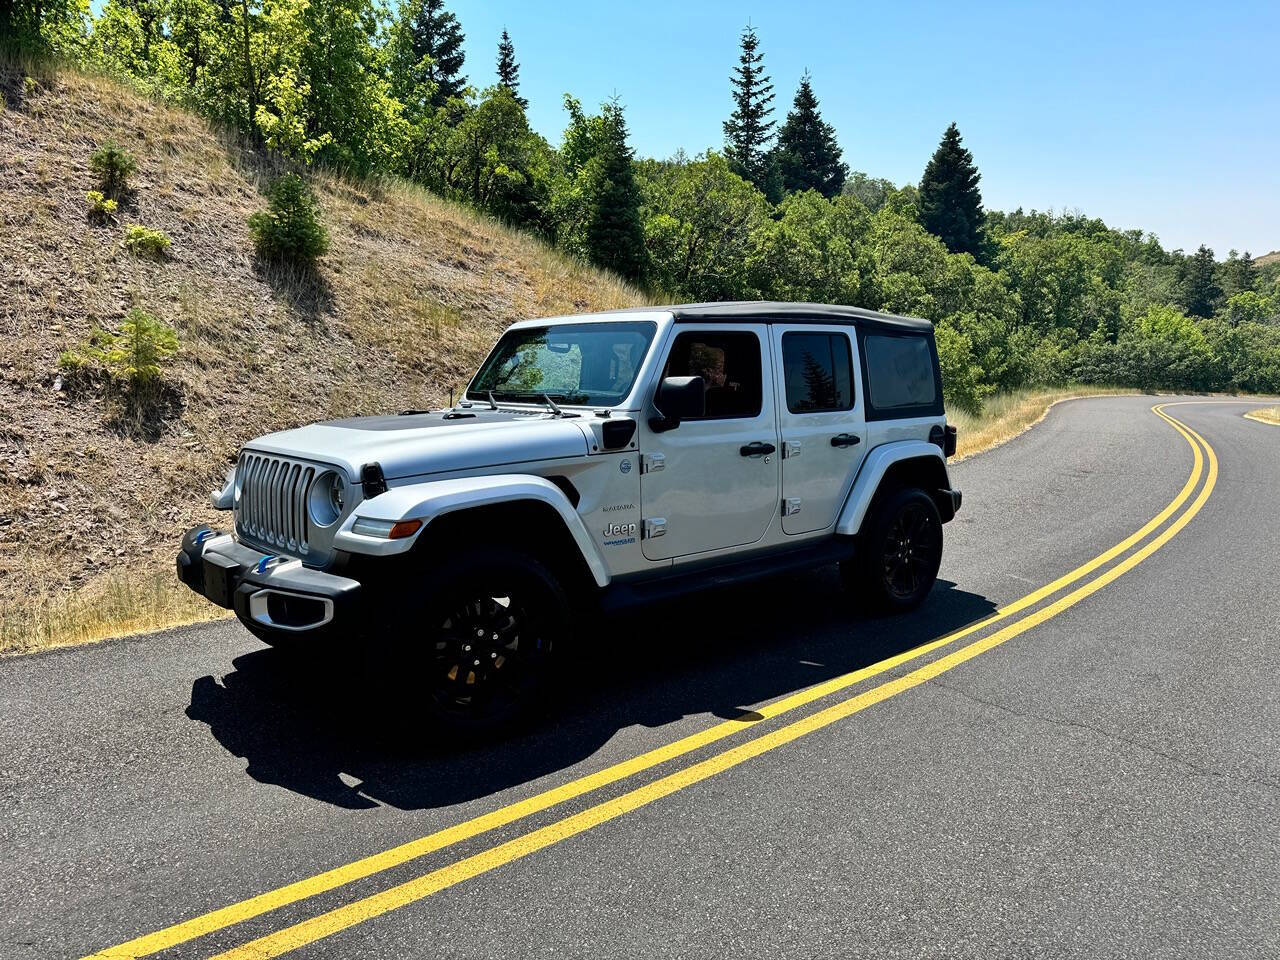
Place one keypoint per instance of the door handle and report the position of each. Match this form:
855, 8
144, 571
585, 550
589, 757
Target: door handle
756, 449
844, 440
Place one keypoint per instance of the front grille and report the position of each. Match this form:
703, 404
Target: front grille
273, 501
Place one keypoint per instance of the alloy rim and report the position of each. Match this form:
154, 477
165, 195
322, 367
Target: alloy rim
911, 551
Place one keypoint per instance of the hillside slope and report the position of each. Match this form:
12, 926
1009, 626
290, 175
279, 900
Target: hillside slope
411, 296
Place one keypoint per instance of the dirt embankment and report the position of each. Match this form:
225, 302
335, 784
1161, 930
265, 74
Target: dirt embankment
410, 297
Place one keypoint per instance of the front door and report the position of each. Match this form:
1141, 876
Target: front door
821, 422
712, 482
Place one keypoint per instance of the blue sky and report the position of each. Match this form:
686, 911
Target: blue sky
1160, 116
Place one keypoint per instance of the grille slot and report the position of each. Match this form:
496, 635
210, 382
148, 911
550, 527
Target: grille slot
273, 502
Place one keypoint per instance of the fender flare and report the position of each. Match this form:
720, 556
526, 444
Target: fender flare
874, 467
432, 499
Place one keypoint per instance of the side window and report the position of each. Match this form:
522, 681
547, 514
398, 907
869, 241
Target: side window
899, 372
818, 372
729, 365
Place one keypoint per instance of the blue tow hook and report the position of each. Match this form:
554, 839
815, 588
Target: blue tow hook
263, 563
203, 535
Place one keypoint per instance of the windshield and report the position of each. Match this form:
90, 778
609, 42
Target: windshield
591, 364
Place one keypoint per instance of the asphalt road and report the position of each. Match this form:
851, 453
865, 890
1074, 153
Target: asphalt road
1093, 775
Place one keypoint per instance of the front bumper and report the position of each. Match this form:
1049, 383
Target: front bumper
273, 596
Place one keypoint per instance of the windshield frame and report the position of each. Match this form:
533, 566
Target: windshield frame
645, 326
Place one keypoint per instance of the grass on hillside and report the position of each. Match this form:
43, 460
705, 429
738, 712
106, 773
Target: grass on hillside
1265, 415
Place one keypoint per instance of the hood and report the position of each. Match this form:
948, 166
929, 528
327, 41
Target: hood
420, 443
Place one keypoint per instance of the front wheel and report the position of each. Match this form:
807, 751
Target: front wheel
898, 554
476, 654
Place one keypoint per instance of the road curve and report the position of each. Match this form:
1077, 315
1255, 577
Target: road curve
1089, 772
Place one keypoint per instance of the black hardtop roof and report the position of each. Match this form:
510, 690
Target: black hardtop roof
765, 310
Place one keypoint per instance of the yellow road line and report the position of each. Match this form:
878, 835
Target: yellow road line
308, 931
396, 856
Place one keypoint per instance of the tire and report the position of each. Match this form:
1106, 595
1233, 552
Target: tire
475, 655
899, 553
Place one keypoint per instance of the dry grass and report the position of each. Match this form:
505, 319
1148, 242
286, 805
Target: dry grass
114, 607
1265, 415
1006, 415
413, 294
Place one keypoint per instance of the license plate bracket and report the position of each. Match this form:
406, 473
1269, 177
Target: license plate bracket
220, 577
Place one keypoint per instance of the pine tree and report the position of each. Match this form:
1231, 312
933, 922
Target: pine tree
1200, 283
434, 32
748, 130
808, 154
509, 70
950, 203
1239, 274
615, 229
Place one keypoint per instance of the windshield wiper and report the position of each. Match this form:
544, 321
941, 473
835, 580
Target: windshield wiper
493, 404
556, 411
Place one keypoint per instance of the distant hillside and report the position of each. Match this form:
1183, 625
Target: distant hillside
411, 296
1272, 257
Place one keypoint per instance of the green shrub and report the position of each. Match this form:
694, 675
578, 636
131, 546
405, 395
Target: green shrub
132, 358
101, 209
289, 230
113, 166
145, 243
961, 378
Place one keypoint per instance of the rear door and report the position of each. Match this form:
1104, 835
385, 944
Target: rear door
821, 422
712, 482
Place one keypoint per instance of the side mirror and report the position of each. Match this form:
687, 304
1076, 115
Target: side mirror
678, 398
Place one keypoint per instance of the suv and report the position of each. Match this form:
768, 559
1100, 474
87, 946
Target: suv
595, 461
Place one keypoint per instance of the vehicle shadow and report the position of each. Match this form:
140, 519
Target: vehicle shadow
300, 727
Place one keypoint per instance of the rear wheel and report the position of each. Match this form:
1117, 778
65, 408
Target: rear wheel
898, 554
476, 656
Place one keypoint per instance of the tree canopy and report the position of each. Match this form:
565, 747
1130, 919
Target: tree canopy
1018, 298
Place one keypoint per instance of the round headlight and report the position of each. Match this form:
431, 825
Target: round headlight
328, 497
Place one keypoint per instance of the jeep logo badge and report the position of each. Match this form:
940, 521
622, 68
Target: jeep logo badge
625, 466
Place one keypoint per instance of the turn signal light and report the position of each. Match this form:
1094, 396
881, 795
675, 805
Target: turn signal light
405, 528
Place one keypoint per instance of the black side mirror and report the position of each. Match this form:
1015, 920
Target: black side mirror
678, 398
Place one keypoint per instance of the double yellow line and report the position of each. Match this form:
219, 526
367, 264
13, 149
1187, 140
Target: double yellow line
313, 929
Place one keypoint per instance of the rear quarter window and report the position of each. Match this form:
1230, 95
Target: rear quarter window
901, 375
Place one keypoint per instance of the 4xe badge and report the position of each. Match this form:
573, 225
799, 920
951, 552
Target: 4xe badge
625, 466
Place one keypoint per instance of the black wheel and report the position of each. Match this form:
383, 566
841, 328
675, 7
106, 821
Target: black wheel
899, 554
476, 655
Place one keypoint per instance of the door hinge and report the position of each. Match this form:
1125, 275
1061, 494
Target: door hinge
790, 449
652, 462
655, 527
790, 506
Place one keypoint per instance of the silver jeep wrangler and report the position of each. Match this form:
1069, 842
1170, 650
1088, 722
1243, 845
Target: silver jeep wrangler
595, 461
